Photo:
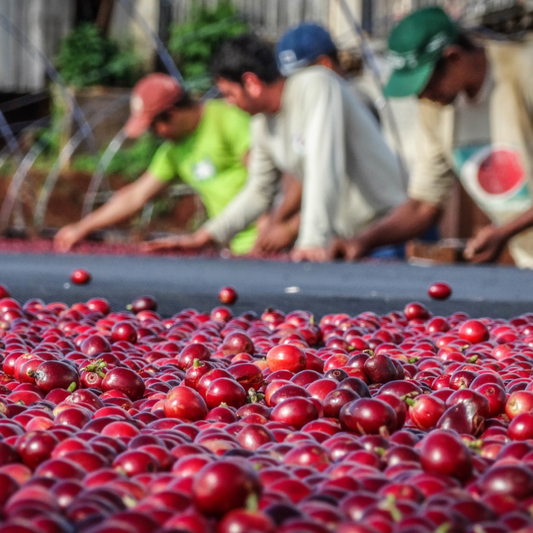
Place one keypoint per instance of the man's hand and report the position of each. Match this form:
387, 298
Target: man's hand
350, 250
313, 255
486, 246
67, 237
273, 239
197, 240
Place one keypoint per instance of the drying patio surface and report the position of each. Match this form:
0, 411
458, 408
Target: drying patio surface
179, 282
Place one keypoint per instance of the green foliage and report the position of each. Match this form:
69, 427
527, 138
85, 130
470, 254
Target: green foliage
193, 43
162, 206
87, 57
48, 137
130, 163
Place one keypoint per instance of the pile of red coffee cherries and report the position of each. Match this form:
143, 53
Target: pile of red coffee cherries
128, 422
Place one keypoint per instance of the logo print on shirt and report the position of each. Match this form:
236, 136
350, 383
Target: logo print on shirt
494, 175
204, 169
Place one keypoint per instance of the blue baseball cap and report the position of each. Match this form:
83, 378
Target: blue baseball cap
301, 46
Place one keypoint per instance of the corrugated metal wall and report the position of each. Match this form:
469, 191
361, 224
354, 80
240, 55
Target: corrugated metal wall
272, 17
385, 13
44, 22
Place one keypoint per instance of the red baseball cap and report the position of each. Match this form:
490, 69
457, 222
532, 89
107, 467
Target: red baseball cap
152, 95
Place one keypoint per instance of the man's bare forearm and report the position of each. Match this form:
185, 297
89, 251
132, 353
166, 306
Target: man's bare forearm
405, 222
292, 200
122, 204
518, 225
115, 210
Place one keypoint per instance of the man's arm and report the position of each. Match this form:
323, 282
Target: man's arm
123, 203
407, 221
292, 199
324, 165
489, 243
429, 186
253, 199
277, 237
280, 229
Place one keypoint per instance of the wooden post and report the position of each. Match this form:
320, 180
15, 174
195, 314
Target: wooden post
165, 16
103, 17
163, 29
367, 16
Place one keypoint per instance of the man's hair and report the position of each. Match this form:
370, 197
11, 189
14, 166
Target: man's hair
185, 102
463, 41
334, 57
242, 54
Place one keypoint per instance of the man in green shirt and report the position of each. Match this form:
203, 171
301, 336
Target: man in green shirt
207, 145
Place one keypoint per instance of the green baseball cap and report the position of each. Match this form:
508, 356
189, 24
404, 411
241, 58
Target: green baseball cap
415, 45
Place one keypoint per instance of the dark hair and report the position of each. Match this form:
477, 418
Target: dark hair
465, 42
334, 56
245, 53
185, 102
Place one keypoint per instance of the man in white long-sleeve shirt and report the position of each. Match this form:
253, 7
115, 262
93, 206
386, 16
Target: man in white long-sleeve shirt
311, 126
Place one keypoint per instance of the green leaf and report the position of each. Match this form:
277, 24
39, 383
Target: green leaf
87, 57
193, 43
252, 503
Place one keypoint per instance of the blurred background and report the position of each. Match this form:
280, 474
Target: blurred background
66, 72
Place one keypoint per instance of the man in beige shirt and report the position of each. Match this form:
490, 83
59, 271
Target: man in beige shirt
475, 124
311, 126
303, 46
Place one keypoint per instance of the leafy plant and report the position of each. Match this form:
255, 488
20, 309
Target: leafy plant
87, 57
193, 43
